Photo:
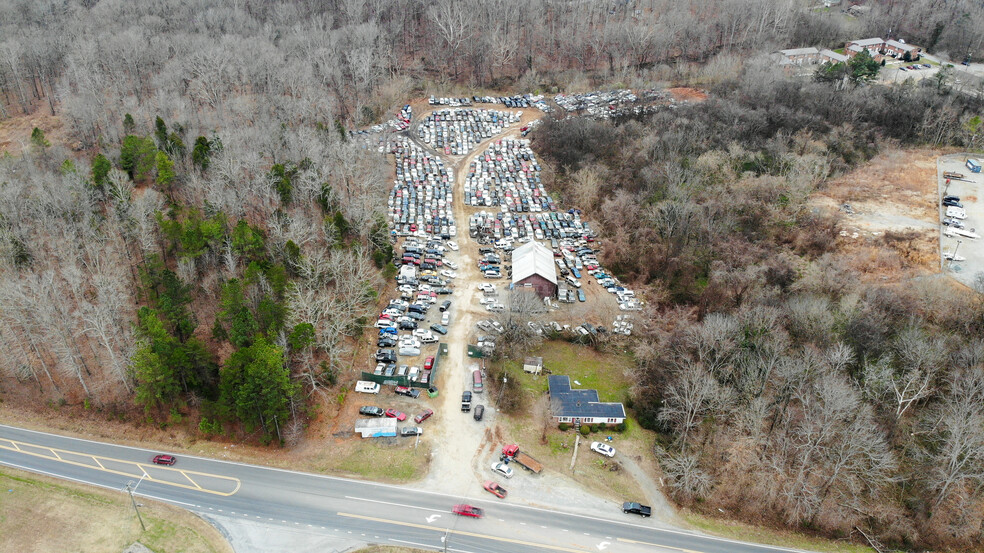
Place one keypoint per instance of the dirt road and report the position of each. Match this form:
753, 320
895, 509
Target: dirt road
462, 448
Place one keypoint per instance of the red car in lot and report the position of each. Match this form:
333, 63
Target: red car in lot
428, 363
165, 460
426, 414
495, 489
394, 414
467, 511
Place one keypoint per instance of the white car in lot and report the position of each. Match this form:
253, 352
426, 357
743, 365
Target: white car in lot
502, 469
449, 274
451, 265
604, 449
453, 246
409, 341
423, 333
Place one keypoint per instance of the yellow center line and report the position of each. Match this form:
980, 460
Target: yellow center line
626, 540
54, 455
462, 533
183, 473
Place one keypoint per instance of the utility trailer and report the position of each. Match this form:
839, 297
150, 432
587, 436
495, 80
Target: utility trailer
516, 456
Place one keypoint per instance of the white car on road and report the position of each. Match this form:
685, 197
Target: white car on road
503, 469
604, 449
453, 246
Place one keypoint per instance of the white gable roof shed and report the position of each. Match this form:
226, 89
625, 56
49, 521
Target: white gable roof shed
533, 258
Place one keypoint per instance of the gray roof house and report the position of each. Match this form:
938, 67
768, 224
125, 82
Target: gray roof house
580, 406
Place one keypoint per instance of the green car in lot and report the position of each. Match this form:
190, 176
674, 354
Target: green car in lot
440, 329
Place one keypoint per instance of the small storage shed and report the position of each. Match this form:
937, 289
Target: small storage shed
533, 365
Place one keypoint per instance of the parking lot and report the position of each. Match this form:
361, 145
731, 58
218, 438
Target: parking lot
961, 250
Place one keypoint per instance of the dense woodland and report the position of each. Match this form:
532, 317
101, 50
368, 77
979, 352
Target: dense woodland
784, 381
204, 239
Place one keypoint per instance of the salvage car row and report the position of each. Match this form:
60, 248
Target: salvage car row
507, 176
459, 131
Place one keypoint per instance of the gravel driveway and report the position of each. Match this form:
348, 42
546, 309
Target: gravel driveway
461, 448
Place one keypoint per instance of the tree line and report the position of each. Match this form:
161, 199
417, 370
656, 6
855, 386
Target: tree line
109, 268
354, 59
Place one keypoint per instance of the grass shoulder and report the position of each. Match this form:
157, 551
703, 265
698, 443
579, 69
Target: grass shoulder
768, 536
44, 514
379, 460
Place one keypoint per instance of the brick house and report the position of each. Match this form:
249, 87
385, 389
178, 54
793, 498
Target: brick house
800, 56
898, 49
874, 46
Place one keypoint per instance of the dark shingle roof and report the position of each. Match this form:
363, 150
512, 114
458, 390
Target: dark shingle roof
565, 402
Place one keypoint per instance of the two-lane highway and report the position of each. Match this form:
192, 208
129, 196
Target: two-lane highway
382, 512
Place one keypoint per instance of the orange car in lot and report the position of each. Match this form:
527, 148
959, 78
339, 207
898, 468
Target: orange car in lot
495, 489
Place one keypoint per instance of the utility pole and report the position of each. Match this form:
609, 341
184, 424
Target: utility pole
130, 486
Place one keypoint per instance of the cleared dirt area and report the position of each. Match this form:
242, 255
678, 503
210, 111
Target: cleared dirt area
44, 514
888, 214
15, 133
683, 93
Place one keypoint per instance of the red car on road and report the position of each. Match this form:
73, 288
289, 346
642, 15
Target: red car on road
394, 414
467, 511
165, 460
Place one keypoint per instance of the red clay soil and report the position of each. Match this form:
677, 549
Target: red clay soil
682, 93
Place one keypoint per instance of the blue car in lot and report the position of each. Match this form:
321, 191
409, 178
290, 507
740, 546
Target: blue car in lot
580, 295
575, 272
388, 330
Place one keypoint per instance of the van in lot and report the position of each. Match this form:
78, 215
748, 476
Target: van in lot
367, 387
477, 384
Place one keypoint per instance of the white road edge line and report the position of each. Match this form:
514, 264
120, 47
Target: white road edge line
396, 504
434, 547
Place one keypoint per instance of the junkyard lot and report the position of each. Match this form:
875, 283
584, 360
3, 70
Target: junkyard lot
969, 192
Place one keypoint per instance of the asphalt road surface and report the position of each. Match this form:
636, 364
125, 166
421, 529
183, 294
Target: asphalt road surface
383, 513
